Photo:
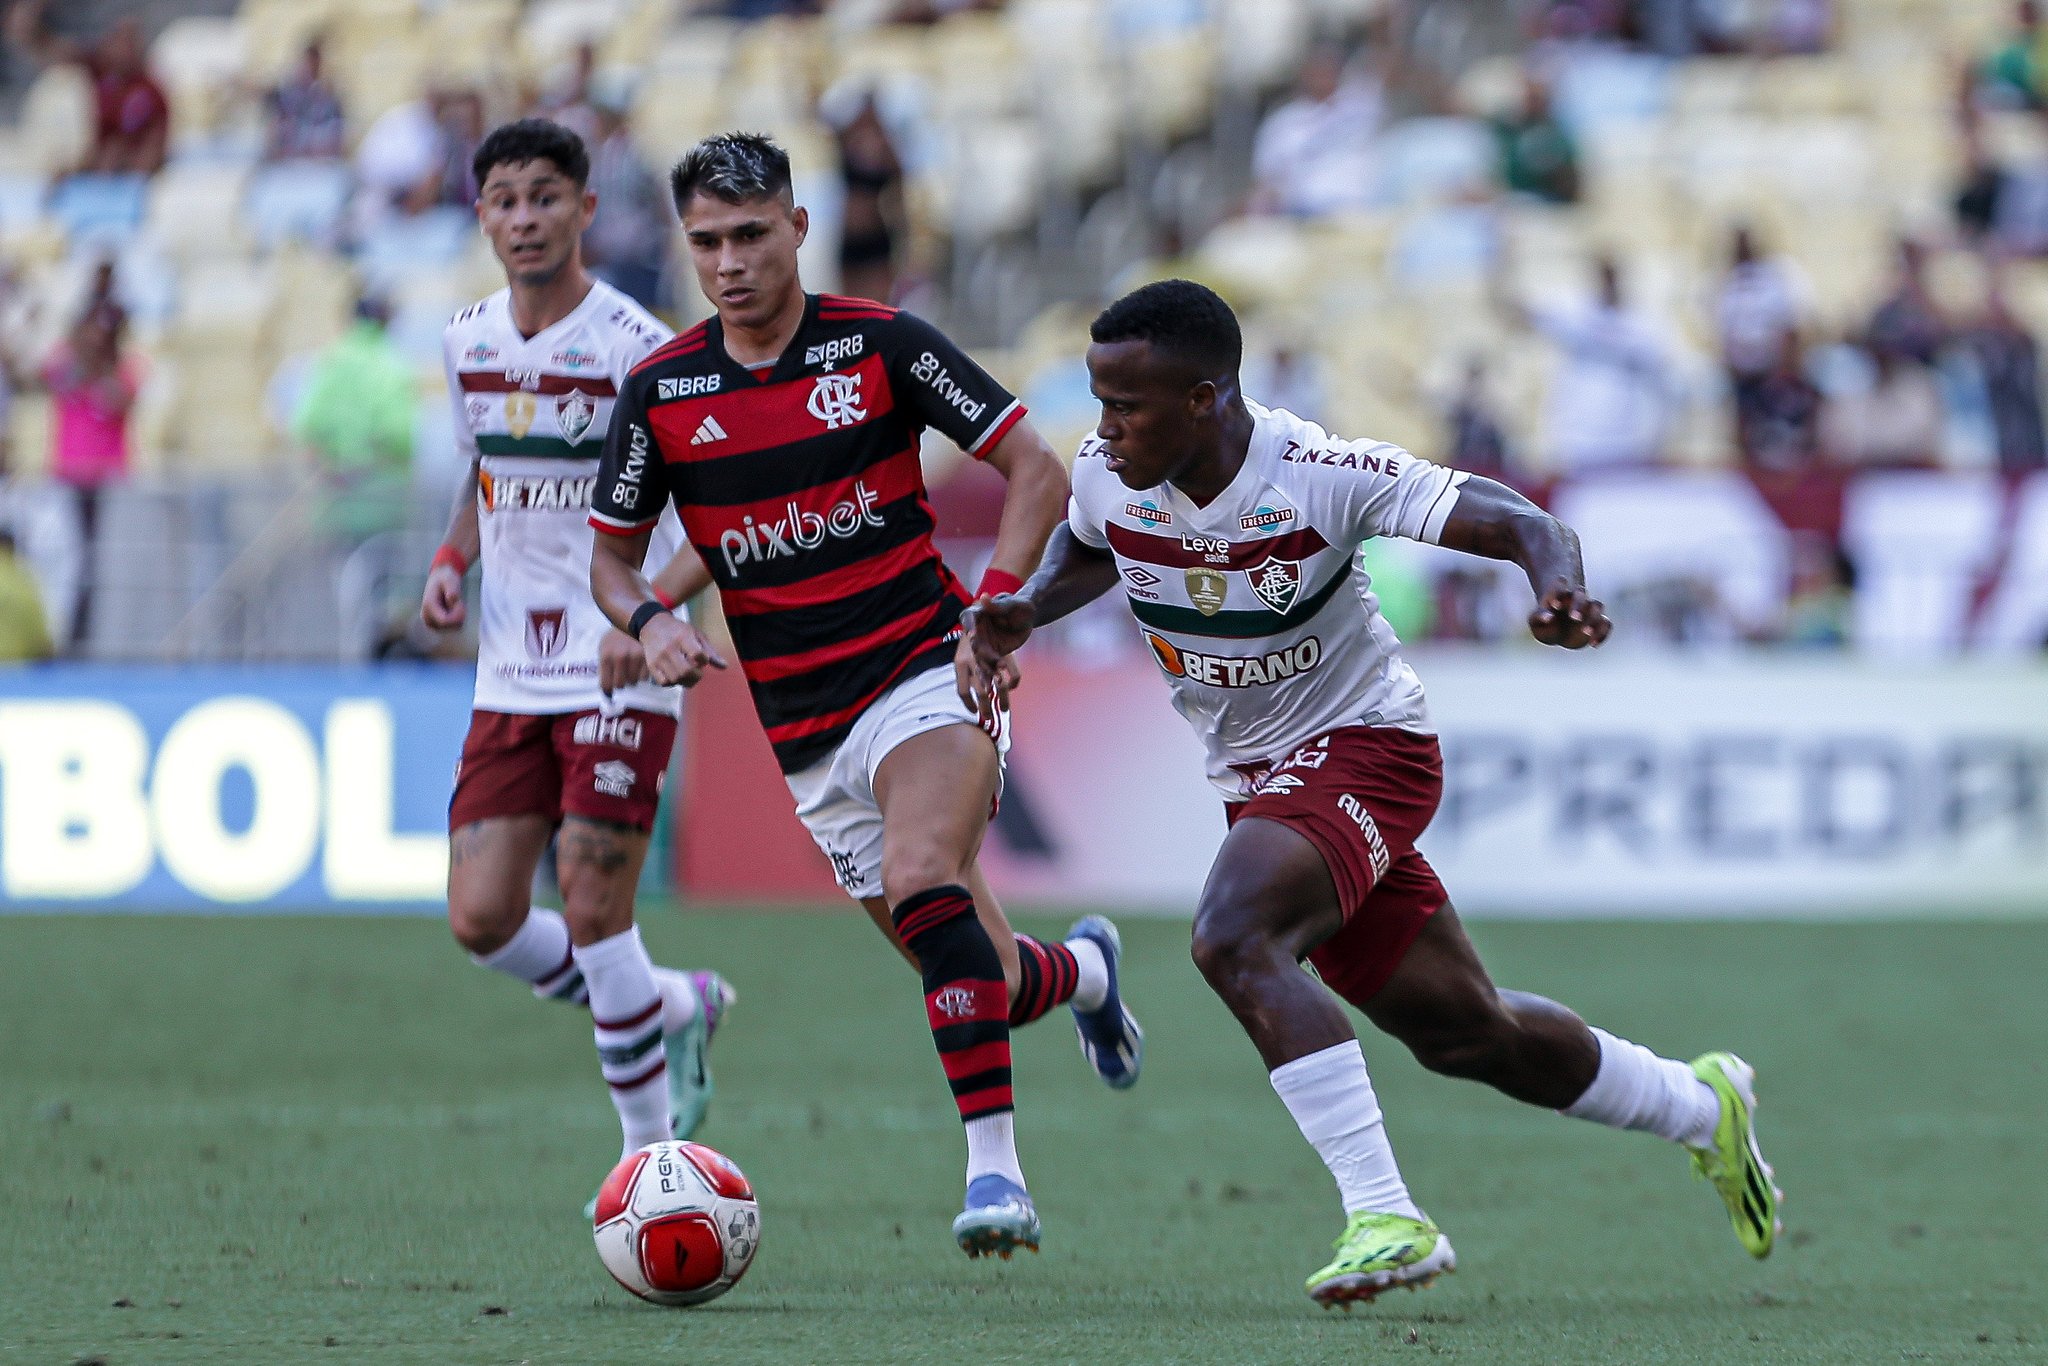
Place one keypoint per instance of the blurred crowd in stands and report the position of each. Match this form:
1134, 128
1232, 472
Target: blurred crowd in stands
1506, 249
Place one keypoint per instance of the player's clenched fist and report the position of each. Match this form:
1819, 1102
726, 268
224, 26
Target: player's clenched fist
676, 652
1569, 618
441, 605
620, 661
991, 631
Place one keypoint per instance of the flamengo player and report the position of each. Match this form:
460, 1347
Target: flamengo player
785, 431
1234, 532
566, 731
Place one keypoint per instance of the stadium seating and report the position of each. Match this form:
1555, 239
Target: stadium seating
1921, 542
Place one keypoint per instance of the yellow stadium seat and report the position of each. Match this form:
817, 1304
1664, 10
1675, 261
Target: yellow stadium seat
1713, 87
56, 119
275, 33
1171, 84
1262, 41
473, 39
194, 210
199, 60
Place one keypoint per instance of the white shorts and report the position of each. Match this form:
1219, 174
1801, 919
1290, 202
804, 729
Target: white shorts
835, 797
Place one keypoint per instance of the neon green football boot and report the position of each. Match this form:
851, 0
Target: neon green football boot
1733, 1162
1379, 1252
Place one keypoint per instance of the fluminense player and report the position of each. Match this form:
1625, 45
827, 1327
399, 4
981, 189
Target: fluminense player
785, 431
567, 734
1234, 532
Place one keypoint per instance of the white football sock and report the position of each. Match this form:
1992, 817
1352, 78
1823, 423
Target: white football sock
1636, 1089
992, 1148
1330, 1095
626, 1009
1091, 981
538, 954
680, 1003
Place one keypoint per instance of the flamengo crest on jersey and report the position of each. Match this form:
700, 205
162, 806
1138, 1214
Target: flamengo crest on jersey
1256, 607
801, 487
534, 413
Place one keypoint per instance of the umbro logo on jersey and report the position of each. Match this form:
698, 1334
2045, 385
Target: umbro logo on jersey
686, 386
708, 431
1140, 575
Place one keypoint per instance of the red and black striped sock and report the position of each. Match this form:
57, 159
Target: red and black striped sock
1048, 979
965, 997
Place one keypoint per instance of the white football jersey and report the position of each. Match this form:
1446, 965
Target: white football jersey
534, 410
1256, 606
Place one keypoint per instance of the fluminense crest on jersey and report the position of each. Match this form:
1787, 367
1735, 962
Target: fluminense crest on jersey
573, 413
1277, 582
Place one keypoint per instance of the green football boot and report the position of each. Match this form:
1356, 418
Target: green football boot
1733, 1162
1379, 1252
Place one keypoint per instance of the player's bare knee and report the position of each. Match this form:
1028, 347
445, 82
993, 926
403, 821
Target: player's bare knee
915, 870
1229, 957
482, 925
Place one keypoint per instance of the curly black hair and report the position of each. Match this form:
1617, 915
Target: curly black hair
1180, 318
527, 140
735, 167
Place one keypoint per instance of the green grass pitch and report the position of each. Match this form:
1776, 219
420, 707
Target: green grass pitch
327, 1140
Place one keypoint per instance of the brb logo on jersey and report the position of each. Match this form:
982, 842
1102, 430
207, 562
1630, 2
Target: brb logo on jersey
754, 541
835, 401
547, 631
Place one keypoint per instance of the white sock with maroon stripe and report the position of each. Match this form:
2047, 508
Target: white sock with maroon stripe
625, 1008
538, 954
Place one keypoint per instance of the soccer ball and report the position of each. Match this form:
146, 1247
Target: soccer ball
677, 1224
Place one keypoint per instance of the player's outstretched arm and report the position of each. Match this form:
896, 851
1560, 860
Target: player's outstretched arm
1035, 503
683, 577
1493, 520
677, 652
441, 605
1072, 575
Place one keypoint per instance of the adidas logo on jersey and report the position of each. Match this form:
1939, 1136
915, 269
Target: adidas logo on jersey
708, 431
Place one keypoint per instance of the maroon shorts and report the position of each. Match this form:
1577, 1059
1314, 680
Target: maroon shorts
604, 768
1362, 796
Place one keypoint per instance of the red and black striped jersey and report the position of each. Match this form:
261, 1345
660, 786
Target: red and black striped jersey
800, 486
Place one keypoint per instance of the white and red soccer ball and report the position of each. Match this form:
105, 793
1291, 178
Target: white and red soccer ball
677, 1224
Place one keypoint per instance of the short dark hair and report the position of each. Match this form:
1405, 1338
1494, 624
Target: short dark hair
525, 140
1180, 318
734, 167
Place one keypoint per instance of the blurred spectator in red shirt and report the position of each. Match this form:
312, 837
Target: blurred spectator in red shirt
131, 116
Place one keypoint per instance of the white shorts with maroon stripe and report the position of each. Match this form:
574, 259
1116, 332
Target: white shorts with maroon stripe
835, 797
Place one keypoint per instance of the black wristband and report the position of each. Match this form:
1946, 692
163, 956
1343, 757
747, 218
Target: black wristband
644, 613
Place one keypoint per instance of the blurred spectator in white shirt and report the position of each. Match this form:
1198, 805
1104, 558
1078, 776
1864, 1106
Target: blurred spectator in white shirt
1314, 154
1612, 392
1759, 302
400, 161
306, 122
